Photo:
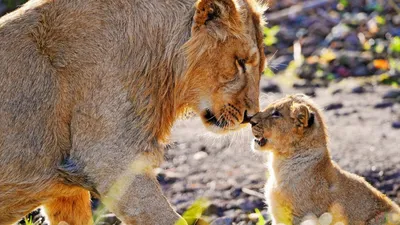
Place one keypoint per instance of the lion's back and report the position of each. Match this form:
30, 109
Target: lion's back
27, 91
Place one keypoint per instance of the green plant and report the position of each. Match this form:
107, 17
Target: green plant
268, 72
195, 211
380, 20
270, 35
344, 3
261, 220
29, 221
395, 45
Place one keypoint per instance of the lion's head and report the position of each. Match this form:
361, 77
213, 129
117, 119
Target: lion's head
288, 124
225, 60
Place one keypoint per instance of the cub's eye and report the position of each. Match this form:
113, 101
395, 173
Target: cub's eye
276, 114
242, 63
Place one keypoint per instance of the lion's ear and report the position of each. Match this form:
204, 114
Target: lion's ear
302, 116
216, 15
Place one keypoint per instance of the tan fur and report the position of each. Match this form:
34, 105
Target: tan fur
303, 178
89, 90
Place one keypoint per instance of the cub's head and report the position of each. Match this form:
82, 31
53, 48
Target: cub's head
290, 123
225, 60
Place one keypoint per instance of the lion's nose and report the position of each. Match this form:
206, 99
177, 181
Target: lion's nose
246, 118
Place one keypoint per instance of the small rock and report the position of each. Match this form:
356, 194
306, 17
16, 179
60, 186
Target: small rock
396, 124
110, 218
372, 26
287, 34
361, 70
310, 92
343, 71
396, 19
352, 42
338, 32
358, 90
333, 106
236, 192
271, 87
319, 28
303, 84
222, 221
253, 217
337, 91
383, 105
361, 17
200, 155
392, 94
214, 209
307, 72
246, 205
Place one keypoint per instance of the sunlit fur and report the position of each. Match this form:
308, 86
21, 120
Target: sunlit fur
88, 87
303, 178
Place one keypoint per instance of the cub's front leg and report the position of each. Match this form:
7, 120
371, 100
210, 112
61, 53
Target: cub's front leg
279, 206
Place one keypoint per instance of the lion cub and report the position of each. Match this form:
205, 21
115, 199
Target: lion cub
304, 181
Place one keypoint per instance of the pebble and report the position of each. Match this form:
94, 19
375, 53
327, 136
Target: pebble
310, 92
382, 105
358, 90
200, 155
392, 94
396, 124
271, 87
332, 106
361, 70
352, 42
343, 71
396, 20
337, 91
214, 209
222, 221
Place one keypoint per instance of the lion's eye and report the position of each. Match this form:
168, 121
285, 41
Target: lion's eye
276, 114
242, 63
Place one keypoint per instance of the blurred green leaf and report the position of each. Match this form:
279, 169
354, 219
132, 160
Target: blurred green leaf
268, 72
380, 20
270, 35
395, 45
29, 221
261, 220
379, 48
344, 3
194, 212
330, 76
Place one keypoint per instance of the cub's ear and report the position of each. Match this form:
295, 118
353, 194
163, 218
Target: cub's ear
302, 116
216, 15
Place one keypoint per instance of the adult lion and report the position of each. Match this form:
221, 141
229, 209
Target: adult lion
89, 90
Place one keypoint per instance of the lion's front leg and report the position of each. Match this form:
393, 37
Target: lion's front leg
142, 202
135, 196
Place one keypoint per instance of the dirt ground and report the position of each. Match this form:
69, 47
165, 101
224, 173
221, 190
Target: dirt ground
224, 170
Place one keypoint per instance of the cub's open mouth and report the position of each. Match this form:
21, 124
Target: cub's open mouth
261, 141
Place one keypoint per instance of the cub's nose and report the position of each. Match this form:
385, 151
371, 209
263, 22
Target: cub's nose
254, 120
